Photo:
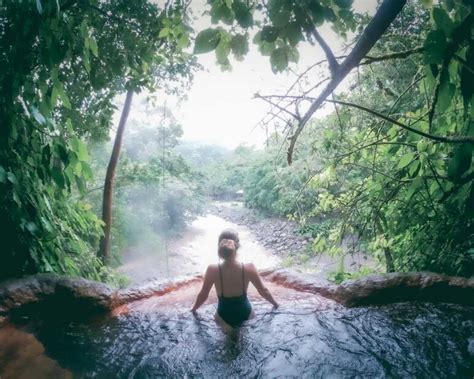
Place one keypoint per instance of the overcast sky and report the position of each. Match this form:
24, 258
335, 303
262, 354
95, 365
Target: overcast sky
219, 108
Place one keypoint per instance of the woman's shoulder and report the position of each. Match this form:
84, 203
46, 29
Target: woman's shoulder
212, 268
250, 267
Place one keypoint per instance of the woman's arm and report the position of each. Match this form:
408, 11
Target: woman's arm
205, 289
257, 282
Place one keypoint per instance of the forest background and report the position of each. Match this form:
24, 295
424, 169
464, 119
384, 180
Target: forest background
391, 165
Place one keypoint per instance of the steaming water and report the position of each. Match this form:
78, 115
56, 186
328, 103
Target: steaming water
192, 253
308, 336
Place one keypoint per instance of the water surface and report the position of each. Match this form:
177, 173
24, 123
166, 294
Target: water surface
309, 336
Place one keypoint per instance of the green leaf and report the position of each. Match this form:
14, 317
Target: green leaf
446, 93
280, 17
279, 59
58, 176
427, 3
269, 34
405, 160
86, 170
414, 167
239, 45
317, 12
11, 177
467, 79
183, 42
3, 175
62, 94
435, 46
31, 227
292, 33
164, 33
243, 14
93, 46
421, 146
460, 162
442, 20
81, 149
223, 49
207, 40
220, 11
54, 96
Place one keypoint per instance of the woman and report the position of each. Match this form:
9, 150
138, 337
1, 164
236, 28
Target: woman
231, 279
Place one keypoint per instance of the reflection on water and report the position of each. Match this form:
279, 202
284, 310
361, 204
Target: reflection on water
308, 336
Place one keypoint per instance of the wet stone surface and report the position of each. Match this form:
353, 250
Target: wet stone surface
309, 336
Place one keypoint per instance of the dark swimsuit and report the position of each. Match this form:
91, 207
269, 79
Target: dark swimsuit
234, 310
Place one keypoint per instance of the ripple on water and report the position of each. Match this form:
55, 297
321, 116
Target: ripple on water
307, 337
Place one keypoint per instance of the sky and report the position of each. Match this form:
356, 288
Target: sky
220, 108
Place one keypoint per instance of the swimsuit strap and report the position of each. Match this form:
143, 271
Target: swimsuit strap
222, 283
243, 280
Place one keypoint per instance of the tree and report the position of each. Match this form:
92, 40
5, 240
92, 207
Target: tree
109, 180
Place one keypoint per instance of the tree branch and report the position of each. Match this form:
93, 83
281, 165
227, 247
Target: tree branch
397, 55
265, 98
386, 13
333, 65
446, 139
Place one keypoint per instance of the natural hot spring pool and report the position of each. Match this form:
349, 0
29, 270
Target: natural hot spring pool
308, 337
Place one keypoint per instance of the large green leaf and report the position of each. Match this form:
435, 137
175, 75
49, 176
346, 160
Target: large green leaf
243, 13
269, 33
207, 40
279, 59
460, 162
435, 47
239, 45
405, 160
442, 20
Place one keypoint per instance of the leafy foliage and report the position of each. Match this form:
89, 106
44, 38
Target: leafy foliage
281, 26
62, 64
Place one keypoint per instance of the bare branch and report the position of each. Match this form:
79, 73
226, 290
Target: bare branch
265, 98
397, 55
446, 139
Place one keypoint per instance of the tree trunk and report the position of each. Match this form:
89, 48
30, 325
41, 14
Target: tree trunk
104, 251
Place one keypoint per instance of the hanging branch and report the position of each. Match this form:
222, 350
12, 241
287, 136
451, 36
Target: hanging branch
387, 12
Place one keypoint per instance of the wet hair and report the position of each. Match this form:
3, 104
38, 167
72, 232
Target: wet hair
227, 248
229, 234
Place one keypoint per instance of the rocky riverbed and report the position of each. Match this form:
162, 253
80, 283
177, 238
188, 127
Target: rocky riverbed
276, 234
282, 237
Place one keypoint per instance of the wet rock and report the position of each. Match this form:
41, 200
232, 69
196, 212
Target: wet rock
149, 289
395, 287
382, 289
64, 294
75, 297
